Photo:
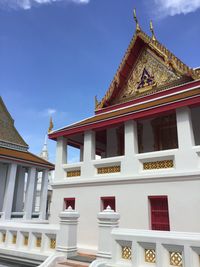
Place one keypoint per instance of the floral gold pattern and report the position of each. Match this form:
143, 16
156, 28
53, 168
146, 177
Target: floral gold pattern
126, 253
111, 169
38, 242
26, 240
176, 259
52, 243
14, 239
164, 164
150, 255
74, 173
159, 73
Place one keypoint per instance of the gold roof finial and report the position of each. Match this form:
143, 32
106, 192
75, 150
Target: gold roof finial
96, 102
50, 125
136, 21
152, 31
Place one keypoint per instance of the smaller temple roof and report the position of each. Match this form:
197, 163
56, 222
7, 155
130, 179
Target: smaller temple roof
8, 132
25, 157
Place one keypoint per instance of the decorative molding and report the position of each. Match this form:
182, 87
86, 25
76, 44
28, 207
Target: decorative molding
154, 165
13, 146
110, 169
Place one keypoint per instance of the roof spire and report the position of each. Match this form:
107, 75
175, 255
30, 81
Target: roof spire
50, 125
44, 153
152, 31
138, 29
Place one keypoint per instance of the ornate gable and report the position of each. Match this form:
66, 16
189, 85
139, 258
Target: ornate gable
149, 73
9, 136
146, 67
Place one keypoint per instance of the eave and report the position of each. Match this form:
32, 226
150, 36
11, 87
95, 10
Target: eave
171, 99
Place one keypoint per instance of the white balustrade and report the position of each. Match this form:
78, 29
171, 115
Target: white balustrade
154, 248
33, 242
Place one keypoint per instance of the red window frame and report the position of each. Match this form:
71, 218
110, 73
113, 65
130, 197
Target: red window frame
69, 202
108, 201
159, 213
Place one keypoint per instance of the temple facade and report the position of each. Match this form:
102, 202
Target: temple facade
140, 152
19, 173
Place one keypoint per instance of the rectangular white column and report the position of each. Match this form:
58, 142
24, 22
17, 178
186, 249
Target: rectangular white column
43, 196
3, 178
9, 192
19, 190
130, 164
186, 158
61, 158
112, 142
88, 154
29, 198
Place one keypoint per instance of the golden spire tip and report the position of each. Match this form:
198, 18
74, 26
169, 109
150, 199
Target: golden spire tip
152, 30
50, 125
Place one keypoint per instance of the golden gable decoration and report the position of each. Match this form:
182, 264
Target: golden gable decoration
148, 73
145, 52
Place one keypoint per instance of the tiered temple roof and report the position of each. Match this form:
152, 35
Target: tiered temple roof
12, 145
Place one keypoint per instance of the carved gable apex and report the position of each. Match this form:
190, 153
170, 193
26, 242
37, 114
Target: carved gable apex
8, 132
148, 73
147, 65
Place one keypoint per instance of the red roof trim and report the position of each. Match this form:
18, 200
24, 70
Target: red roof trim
126, 117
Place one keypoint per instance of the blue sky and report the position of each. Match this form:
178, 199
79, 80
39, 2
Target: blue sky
56, 55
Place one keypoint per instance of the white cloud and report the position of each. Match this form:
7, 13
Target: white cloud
174, 7
27, 4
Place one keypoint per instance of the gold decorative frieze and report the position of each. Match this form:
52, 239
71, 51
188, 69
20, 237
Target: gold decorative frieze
52, 243
150, 255
110, 169
74, 173
126, 253
155, 165
38, 242
14, 239
176, 259
26, 240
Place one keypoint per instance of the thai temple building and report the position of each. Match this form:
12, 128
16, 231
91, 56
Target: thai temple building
139, 153
132, 199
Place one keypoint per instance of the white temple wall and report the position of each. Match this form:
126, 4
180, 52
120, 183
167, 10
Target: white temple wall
132, 204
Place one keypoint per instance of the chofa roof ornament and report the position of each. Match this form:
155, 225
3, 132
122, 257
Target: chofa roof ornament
138, 29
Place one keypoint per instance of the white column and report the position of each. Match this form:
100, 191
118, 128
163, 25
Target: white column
61, 158
3, 177
29, 198
9, 193
43, 196
112, 143
186, 158
19, 190
88, 154
67, 235
130, 165
108, 219
81, 153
